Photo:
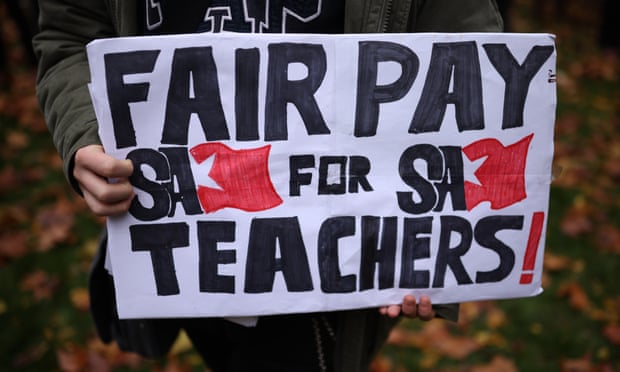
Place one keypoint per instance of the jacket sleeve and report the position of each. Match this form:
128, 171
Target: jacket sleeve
66, 26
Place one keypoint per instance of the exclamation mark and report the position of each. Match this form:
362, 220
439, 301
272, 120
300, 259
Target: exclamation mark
529, 261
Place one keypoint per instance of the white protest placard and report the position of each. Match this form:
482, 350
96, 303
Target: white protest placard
299, 173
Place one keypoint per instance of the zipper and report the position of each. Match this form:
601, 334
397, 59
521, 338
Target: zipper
319, 340
387, 14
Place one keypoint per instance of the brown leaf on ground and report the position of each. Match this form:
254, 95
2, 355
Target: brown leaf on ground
80, 299
30, 116
577, 296
97, 363
612, 164
13, 216
577, 220
113, 355
381, 364
13, 244
567, 124
17, 140
555, 262
435, 336
40, 284
9, 179
600, 66
612, 333
470, 311
53, 224
496, 318
572, 174
498, 364
95, 357
567, 83
5, 103
576, 365
608, 238
52, 160
72, 359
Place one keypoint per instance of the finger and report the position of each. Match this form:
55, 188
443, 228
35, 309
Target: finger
97, 161
109, 167
105, 210
103, 198
101, 190
425, 309
409, 306
393, 311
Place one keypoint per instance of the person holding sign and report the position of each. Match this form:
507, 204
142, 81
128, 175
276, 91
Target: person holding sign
338, 341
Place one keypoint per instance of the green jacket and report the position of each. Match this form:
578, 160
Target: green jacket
68, 25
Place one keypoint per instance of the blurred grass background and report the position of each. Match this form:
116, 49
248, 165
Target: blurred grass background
48, 238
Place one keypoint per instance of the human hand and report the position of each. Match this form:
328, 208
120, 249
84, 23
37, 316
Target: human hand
410, 308
92, 169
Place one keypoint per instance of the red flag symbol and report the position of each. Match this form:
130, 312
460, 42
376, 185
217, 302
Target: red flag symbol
501, 175
243, 176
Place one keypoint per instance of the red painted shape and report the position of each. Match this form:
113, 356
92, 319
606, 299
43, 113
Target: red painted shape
243, 176
501, 175
533, 241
